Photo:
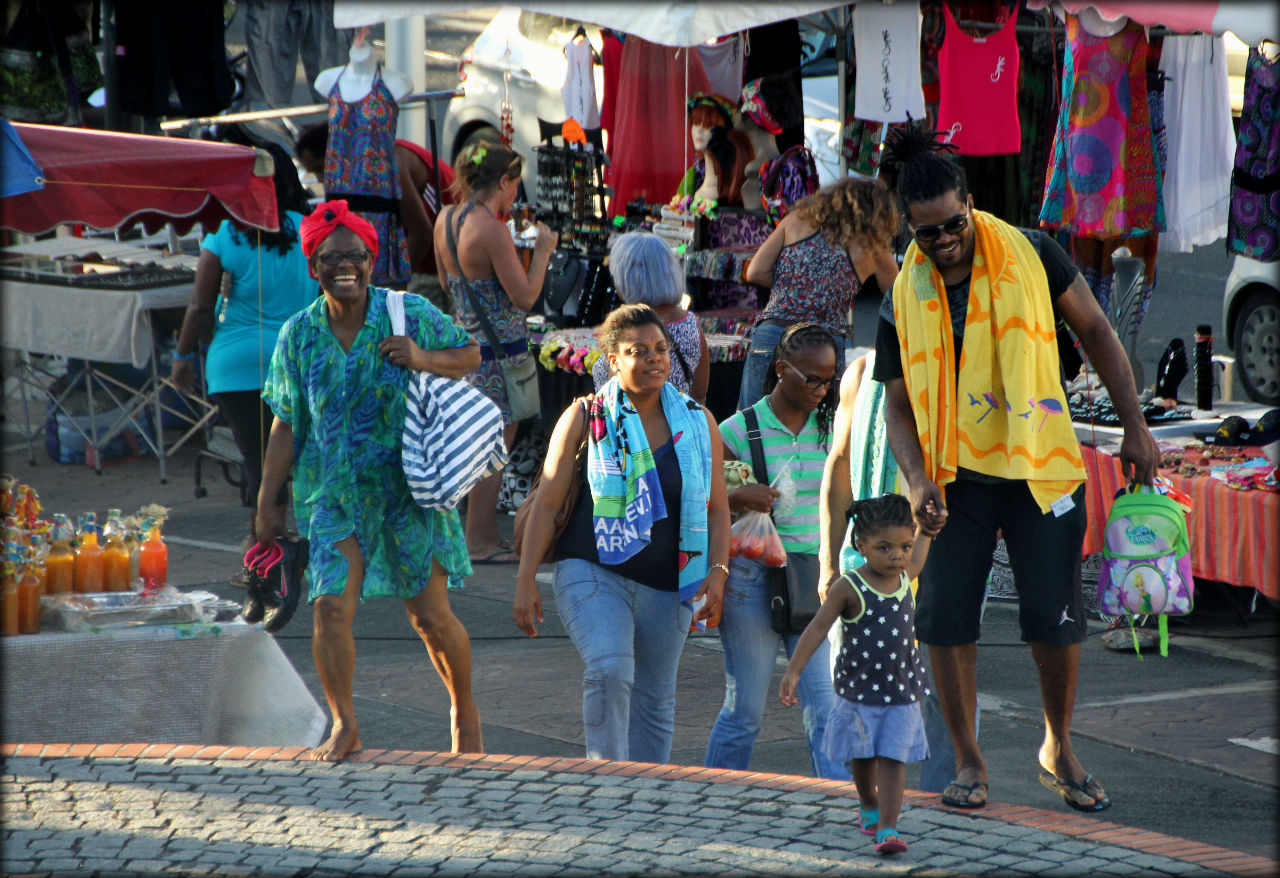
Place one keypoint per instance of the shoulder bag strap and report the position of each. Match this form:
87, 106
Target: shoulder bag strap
758, 467
486, 326
688, 376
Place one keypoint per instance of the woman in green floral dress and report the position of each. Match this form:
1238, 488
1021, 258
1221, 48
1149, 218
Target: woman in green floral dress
337, 386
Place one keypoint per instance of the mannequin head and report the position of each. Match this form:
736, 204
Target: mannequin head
711, 128
772, 103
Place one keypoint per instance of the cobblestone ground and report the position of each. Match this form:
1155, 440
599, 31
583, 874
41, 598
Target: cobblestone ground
403, 813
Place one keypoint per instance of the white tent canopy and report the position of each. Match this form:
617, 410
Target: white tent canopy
669, 23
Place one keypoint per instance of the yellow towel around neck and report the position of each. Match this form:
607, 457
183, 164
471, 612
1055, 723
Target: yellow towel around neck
1008, 417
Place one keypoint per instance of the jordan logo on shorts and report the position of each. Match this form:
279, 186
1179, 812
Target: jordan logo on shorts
1066, 617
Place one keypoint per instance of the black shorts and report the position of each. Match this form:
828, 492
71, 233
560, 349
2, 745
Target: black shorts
1044, 554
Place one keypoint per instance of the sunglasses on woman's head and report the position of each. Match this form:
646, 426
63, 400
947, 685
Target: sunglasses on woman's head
333, 258
953, 226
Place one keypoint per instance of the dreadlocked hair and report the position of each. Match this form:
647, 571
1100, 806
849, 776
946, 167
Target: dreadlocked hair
917, 165
798, 337
871, 516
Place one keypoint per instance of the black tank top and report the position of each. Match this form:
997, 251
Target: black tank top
654, 565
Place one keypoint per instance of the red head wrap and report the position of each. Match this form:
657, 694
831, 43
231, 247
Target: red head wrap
327, 216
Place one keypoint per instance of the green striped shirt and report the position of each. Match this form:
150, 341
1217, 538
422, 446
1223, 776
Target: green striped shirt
803, 455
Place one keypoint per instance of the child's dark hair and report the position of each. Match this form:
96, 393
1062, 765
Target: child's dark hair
917, 165
874, 515
798, 337
482, 166
627, 317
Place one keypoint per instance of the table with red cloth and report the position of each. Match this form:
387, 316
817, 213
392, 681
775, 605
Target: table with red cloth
1233, 532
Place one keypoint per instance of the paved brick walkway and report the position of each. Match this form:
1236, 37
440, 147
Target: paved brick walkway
147, 808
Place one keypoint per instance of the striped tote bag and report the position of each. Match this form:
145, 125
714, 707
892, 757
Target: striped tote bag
452, 432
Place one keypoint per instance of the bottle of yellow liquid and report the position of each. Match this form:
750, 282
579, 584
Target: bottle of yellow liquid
31, 587
115, 556
133, 545
153, 561
9, 609
90, 566
61, 563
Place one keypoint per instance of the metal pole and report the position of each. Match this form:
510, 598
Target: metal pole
842, 78
112, 116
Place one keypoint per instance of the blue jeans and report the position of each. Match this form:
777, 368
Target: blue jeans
630, 637
750, 649
764, 338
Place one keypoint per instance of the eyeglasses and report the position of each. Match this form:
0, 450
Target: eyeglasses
929, 234
333, 258
811, 383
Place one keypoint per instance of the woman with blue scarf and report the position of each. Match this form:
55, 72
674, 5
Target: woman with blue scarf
645, 551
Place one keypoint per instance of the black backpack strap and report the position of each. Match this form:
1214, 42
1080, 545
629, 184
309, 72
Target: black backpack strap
758, 467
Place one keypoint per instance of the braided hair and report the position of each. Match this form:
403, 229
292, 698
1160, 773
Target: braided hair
801, 336
918, 166
871, 516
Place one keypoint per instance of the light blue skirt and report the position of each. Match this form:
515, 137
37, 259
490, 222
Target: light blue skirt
860, 731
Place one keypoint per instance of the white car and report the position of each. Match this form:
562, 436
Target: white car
527, 50
1251, 314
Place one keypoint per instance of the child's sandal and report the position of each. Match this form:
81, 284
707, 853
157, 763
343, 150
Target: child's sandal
889, 842
867, 820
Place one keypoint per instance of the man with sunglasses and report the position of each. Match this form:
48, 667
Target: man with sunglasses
977, 419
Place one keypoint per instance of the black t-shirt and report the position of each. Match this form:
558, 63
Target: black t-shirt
1058, 268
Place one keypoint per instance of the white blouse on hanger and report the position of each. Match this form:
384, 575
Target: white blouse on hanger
887, 42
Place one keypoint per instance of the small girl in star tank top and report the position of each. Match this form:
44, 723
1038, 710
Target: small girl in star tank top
876, 725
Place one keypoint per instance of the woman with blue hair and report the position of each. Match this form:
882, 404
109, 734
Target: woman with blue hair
645, 272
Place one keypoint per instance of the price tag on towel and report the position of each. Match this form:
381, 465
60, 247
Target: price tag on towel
1062, 505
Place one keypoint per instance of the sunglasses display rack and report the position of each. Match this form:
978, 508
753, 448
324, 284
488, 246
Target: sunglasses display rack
572, 191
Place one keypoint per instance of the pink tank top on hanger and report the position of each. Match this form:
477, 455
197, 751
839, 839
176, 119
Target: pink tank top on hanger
978, 101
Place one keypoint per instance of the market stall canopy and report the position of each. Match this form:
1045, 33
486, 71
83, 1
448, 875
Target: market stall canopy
1251, 21
110, 180
18, 171
669, 23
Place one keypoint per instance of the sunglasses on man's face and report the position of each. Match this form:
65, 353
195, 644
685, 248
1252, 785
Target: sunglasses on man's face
334, 259
953, 226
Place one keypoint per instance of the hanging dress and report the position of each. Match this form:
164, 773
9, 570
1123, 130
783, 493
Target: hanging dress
1255, 183
1102, 177
360, 167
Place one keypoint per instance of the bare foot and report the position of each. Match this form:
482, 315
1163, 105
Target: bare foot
341, 744
467, 737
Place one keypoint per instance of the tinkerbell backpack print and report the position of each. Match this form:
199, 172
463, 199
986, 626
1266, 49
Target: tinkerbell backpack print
1146, 561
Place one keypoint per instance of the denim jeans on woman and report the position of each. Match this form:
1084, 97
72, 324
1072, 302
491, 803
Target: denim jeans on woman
630, 637
764, 338
750, 652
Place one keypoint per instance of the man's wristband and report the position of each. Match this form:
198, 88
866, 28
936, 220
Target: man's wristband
184, 358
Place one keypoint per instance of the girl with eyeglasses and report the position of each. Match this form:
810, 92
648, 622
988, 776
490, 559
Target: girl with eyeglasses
795, 432
814, 263
487, 183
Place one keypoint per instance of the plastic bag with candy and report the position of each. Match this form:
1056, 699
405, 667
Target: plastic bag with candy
755, 538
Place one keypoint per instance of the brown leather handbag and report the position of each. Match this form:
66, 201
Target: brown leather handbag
566, 505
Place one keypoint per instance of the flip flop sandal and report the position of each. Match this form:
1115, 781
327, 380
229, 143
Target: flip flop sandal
867, 820
1065, 788
282, 579
968, 788
889, 842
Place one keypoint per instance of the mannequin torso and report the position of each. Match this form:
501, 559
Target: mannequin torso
355, 78
766, 149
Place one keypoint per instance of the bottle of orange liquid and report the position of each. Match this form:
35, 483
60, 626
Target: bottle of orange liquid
153, 561
61, 562
9, 610
133, 545
90, 567
115, 556
31, 587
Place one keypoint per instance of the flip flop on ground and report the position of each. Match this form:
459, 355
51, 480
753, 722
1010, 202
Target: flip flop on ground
1069, 790
494, 557
963, 799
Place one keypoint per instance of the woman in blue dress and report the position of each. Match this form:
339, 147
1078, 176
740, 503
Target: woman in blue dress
337, 385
